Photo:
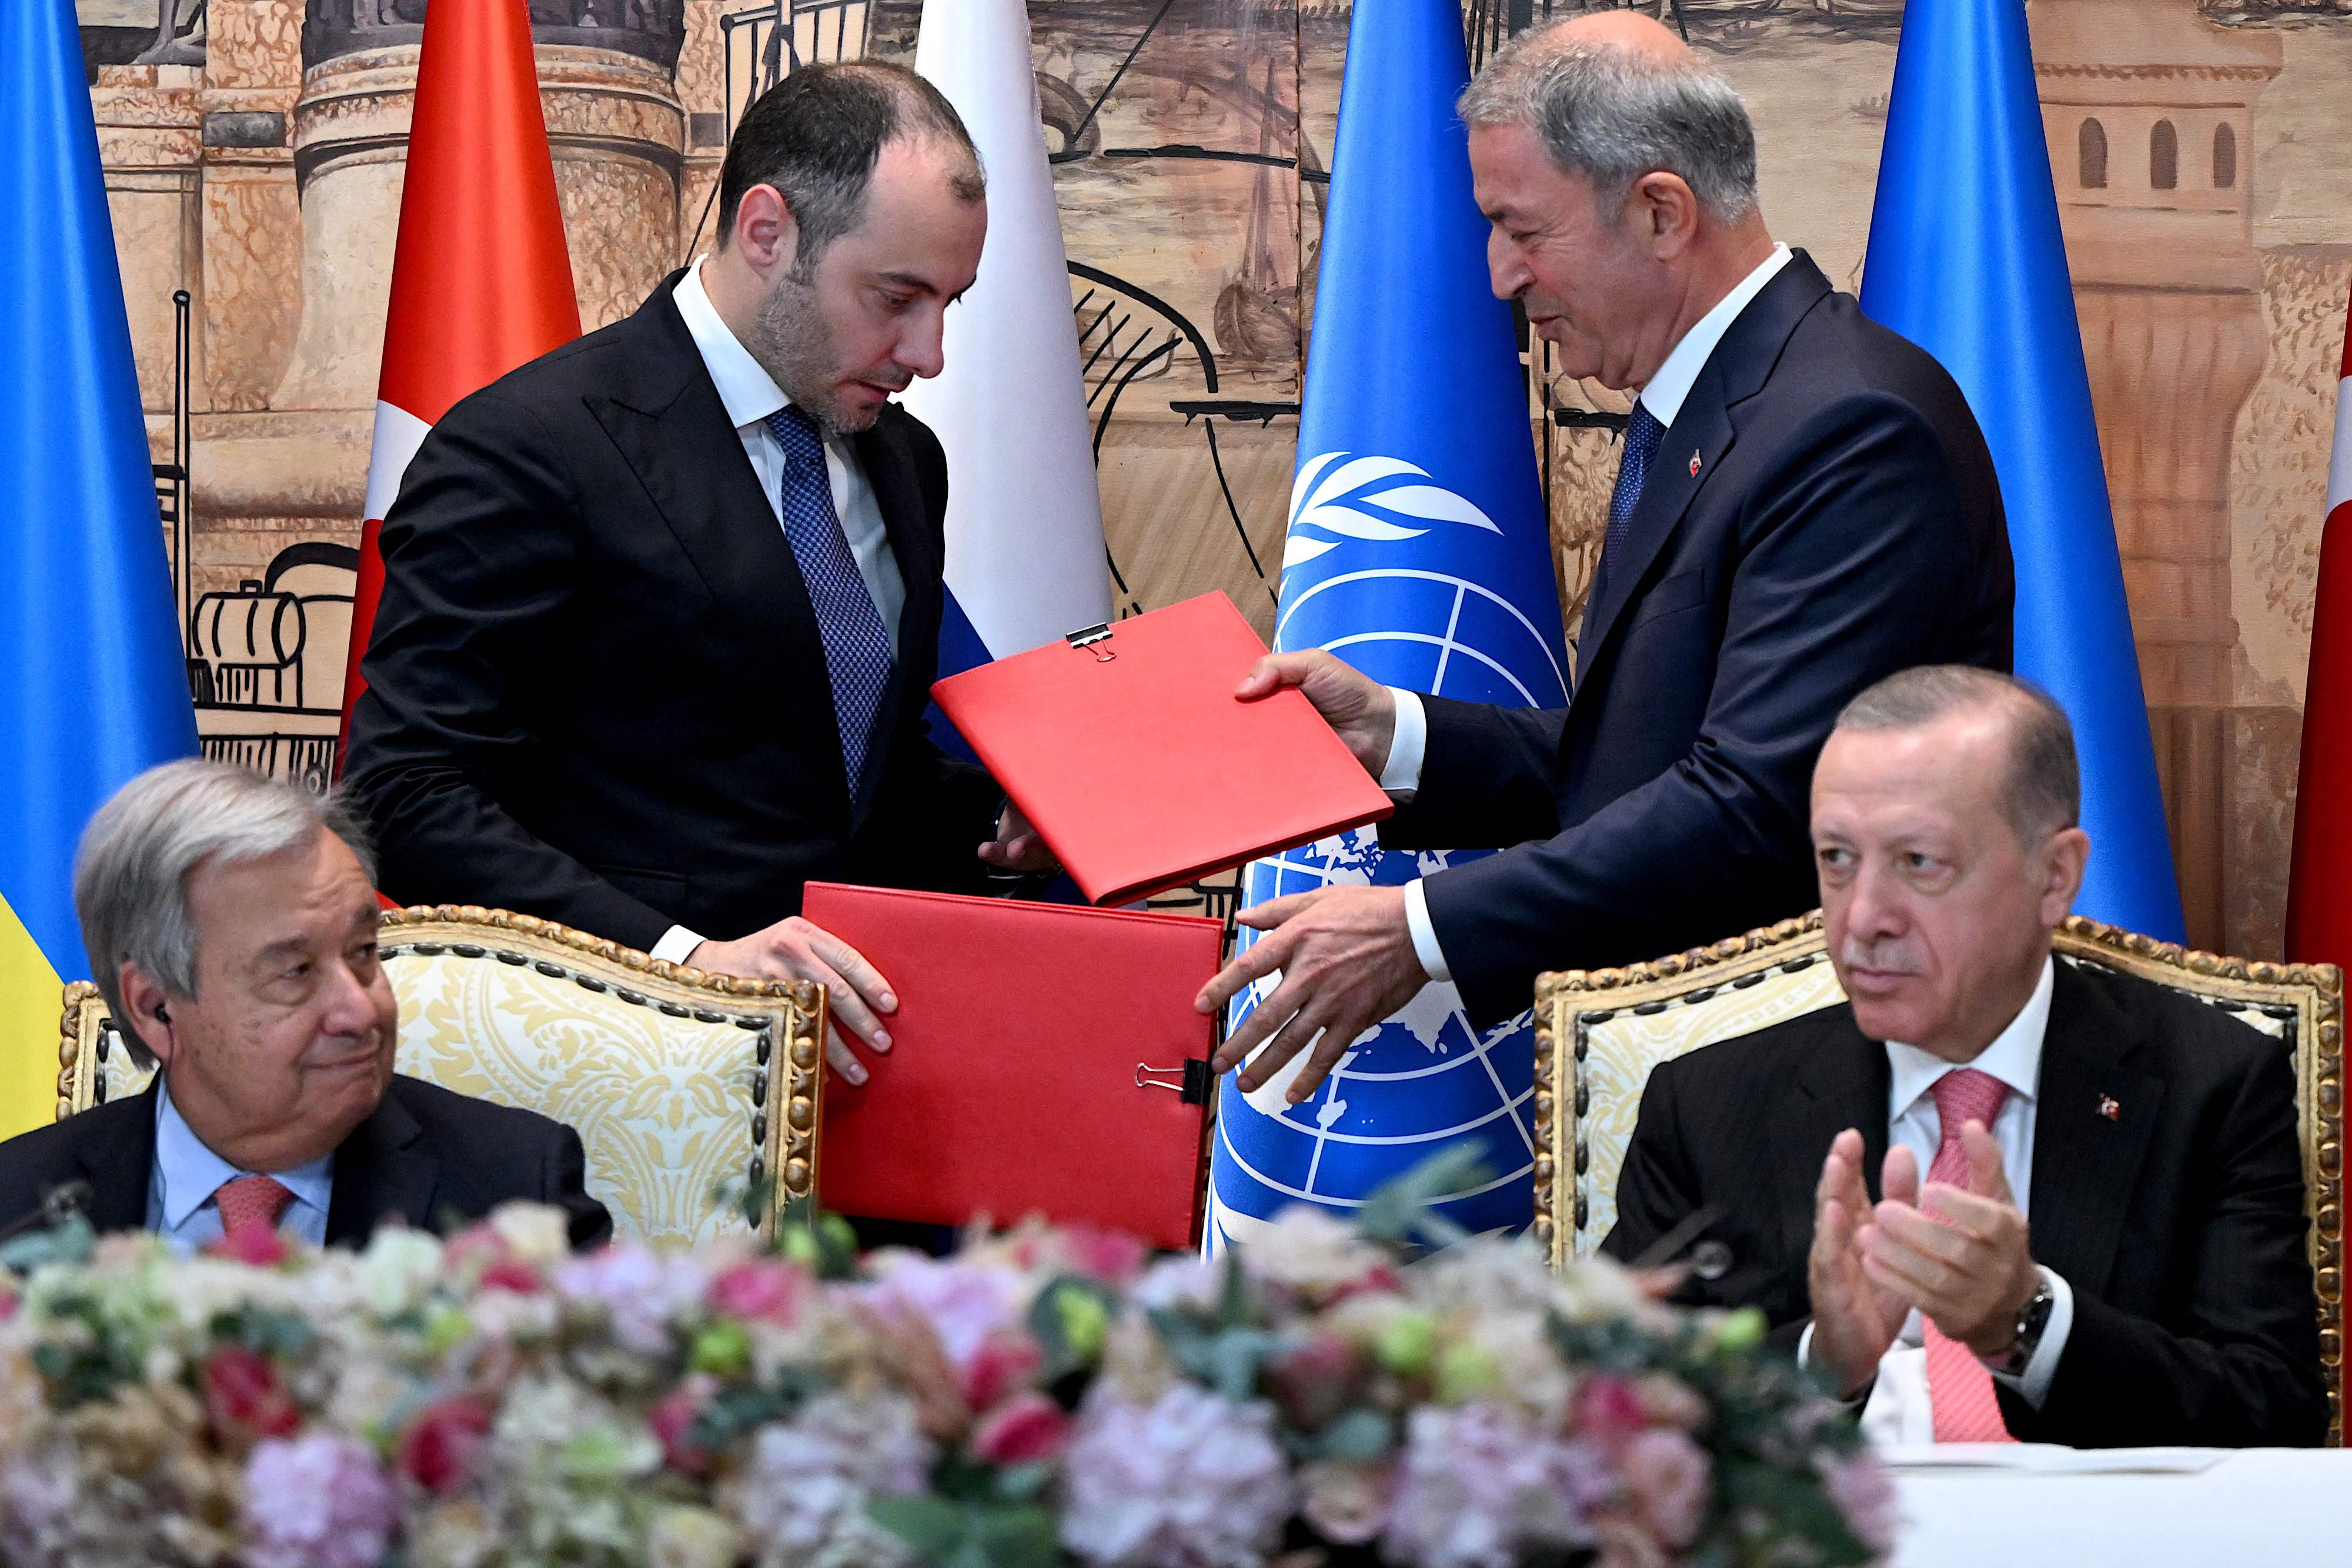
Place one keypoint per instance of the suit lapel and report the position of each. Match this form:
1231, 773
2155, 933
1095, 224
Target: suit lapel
1841, 1083
2085, 1164
1705, 425
380, 1173
116, 1151
669, 425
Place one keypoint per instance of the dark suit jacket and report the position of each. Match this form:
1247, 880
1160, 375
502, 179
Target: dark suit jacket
2178, 1224
1844, 523
596, 689
425, 1155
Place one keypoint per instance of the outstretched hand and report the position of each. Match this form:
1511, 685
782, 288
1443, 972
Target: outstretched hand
1347, 961
1361, 710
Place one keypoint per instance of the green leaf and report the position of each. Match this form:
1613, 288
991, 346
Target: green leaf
1359, 1437
1402, 1209
1016, 1537
1070, 1318
932, 1527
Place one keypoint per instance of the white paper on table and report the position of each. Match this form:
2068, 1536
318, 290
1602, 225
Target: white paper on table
2049, 1459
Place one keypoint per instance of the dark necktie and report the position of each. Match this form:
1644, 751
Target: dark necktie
1643, 433
856, 645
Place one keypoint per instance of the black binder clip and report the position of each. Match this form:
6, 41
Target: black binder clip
1192, 1091
1092, 638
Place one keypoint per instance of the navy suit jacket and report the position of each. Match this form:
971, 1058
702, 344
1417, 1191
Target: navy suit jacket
597, 690
1841, 521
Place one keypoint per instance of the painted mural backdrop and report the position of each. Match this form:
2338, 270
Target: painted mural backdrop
253, 151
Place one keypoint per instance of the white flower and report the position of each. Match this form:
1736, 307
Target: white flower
399, 1269
538, 1234
1311, 1251
1190, 1481
805, 1488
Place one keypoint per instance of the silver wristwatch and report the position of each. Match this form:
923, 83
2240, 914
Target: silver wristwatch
2031, 1319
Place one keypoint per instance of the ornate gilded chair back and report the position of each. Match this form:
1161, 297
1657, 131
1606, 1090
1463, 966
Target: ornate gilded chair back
1600, 1033
678, 1082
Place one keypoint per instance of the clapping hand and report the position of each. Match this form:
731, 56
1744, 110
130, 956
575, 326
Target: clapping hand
1962, 1255
1855, 1316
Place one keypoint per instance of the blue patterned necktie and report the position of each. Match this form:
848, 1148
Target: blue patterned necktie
856, 645
1643, 434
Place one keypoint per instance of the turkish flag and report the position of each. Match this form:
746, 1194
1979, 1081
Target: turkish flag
481, 279
2319, 884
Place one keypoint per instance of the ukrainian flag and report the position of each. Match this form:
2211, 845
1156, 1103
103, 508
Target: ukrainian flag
93, 689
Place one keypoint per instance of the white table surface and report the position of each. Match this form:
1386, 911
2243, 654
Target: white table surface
2026, 1506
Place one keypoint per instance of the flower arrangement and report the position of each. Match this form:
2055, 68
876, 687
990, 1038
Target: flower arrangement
1042, 1396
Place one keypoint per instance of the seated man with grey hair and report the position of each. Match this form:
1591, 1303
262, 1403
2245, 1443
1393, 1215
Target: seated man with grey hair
1873, 1166
231, 924
1804, 504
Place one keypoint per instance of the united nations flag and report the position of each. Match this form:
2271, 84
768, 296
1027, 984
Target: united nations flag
1418, 552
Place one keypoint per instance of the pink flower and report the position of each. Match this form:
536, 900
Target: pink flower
1669, 1476
1005, 1362
1190, 1481
317, 1501
963, 1302
1481, 1487
259, 1245
245, 1397
1023, 1429
438, 1450
674, 1417
1315, 1381
1858, 1484
1608, 1410
758, 1290
507, 1274
640, 1288
1113, 1257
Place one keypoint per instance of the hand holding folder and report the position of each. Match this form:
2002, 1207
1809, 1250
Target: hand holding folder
1046, 1059
1126, 747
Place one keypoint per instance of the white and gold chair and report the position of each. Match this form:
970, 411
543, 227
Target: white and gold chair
678, 1081
1600, 1033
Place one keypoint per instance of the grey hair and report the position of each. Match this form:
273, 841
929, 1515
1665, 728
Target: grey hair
2043, 792
130, 874
1612, 114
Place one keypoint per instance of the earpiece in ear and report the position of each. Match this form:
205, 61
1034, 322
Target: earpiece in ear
163, 1013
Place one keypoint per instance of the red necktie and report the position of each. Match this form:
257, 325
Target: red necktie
250, 1203
1959, 1389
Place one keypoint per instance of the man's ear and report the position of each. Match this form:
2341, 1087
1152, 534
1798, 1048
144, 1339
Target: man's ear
151, 1012
1667, 210
765, 231
2063, 856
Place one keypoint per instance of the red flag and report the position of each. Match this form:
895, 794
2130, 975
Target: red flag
2319, 886
482, 280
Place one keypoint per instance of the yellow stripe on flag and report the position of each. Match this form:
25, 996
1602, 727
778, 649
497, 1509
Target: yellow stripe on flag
32, 1000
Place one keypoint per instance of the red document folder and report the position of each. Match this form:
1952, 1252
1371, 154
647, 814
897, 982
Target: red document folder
1044, 1059
1128, 751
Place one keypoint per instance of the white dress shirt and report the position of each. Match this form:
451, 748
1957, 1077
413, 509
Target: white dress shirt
186, 1175
750, 395
1898, 1410
1663, 395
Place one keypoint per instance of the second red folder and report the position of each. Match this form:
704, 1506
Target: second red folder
1044, 1059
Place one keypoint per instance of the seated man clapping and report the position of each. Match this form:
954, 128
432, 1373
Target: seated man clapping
1997, 1195
231, 924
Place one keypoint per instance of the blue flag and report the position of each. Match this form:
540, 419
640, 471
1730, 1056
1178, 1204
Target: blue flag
89, 650
1966, 259
1418, 552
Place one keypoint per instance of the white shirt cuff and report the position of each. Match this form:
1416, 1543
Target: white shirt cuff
676, 946
2033, 1385
1401, 775
1425, 934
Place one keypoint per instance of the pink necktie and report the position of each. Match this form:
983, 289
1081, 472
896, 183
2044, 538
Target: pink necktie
250, 1203
1959, 1389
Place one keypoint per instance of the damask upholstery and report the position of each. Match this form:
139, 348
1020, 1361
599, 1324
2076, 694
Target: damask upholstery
674, 1078
1600, 1033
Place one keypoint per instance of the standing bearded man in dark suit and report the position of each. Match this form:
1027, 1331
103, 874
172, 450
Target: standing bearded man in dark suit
661, 609
1874, 1165
1804, 504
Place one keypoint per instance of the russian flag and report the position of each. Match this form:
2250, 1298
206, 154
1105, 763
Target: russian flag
2319, 884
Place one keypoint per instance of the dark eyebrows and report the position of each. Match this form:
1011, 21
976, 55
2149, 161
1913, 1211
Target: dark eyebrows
908, 280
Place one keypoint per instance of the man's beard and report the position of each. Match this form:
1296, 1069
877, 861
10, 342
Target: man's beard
794, 346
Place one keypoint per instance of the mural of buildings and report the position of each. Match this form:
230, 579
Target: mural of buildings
255, 148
